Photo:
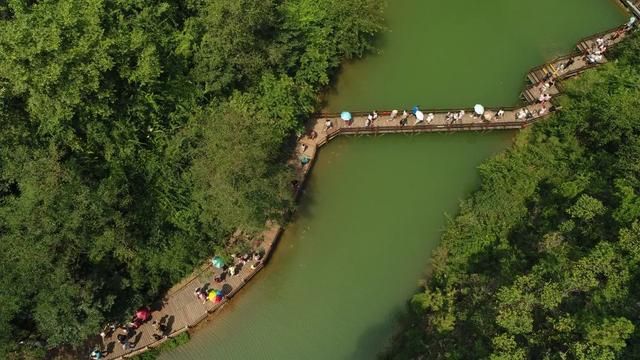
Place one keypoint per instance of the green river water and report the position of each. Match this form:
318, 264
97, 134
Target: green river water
374, 207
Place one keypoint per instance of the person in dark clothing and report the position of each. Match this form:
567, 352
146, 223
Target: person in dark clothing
123, 339
160, 330
568, 64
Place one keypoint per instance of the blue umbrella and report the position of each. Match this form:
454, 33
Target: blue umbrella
218, 262
345, 115
415, 109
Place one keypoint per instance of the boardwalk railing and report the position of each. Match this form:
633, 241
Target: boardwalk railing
513, 125
633, 6
602, 33
388, 112
554, 61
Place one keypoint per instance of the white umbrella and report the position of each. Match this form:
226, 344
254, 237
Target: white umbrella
419, 115
479, 109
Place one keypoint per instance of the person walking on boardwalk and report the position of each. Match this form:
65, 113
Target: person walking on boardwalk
393, 115
430, 118
160, 330
96, 354
629, 25
123, 339
542, 111
405, 116
201, 295
327, 125
568, 64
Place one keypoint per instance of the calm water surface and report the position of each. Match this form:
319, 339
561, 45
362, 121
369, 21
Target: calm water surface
374, 206
445, 53
372, 213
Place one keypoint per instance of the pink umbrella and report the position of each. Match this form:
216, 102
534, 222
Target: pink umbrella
143, 314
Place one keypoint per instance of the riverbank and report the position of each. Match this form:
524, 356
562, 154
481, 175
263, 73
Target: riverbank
542, 260
180, 302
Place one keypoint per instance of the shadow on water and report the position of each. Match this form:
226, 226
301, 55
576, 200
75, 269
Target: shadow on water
378, 334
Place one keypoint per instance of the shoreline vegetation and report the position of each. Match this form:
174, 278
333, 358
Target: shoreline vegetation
544, 260
138, 136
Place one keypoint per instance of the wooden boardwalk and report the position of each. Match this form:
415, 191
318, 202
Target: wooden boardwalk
569, 65
180, 308
633, 6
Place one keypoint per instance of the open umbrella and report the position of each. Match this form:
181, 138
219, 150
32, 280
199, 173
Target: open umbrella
419, 115
345, 115
479, 109
143, 314
218, 262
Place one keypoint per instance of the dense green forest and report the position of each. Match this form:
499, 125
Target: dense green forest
137, 135
543, 261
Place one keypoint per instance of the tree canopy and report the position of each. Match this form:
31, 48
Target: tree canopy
137, 135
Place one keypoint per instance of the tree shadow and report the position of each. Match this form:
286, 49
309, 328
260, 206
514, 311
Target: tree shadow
169, 324
137, 338
110, 346
226, 289
368, 344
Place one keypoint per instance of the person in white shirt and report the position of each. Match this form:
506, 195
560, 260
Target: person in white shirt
327, 125
542, 111
393, 115
430, 117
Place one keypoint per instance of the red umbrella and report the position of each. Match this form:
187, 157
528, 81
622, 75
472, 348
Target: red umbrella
143, 314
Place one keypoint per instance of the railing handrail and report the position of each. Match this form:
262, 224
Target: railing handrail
426, 111
427, 127
602, 33
572, 54
575, 53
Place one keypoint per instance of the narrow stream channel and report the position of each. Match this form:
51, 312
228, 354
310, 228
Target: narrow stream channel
374, 206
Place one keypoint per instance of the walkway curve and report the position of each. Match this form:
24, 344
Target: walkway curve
182, 310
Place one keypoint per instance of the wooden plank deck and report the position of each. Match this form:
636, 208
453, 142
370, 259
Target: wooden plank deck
180, 308
633, 6
569, 63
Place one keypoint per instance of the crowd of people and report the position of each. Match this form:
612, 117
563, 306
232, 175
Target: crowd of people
125, 333
595, 54
450, 118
